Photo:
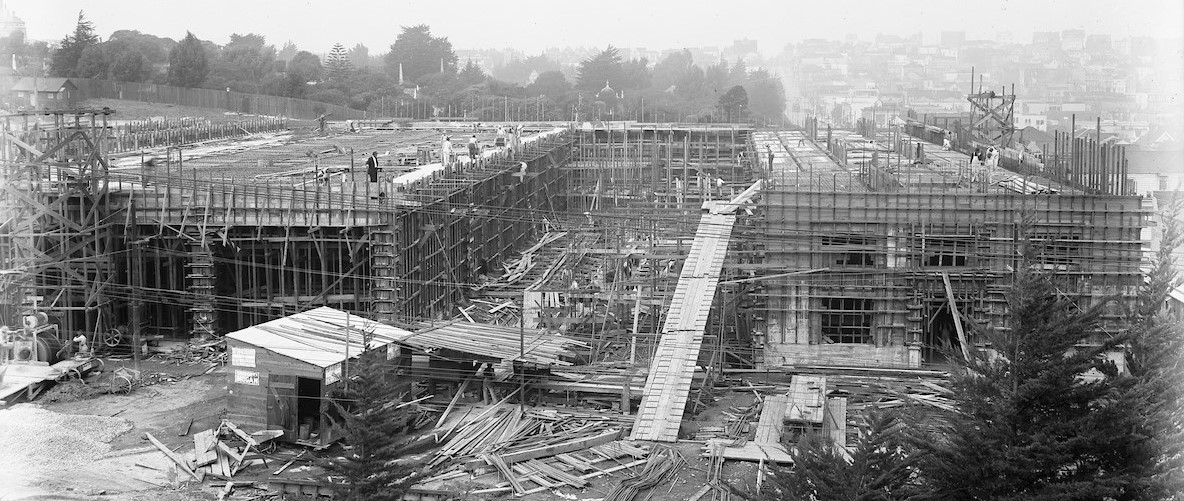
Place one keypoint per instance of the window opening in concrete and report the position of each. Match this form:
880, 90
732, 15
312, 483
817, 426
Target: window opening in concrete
849, 250
847, 320
947, 250
1057, 252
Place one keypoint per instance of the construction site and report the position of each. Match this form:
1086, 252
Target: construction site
580, 307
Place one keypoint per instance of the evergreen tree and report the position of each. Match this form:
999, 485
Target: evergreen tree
882, 466
732, 106
1030, 423
604, 67
64, 62
338, 65
766, 96
359, 56
376, 433
470, 75
420, 53
1156, 396
188, 66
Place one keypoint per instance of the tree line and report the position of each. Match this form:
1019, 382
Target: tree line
421, 77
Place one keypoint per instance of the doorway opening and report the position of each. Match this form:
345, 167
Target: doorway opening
308, 408
941, 336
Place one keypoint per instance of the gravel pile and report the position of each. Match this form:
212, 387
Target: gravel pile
35, 440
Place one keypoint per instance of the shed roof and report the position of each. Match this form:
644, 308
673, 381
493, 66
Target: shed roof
319, 336
42, 84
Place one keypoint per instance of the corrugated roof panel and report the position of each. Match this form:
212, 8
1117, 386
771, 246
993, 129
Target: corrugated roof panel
319, 336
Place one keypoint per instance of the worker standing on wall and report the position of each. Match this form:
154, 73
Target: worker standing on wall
769, 149
446, 153
474, 150
372, 167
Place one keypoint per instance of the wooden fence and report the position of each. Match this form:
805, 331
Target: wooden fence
254, 104
137, 135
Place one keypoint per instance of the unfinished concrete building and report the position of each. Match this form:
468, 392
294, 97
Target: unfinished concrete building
672, 247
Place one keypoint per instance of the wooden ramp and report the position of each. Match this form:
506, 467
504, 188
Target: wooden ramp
669, 381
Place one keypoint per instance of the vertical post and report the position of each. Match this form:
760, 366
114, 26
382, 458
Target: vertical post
134, 270
522, 361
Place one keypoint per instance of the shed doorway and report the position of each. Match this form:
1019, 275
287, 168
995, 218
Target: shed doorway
308, 408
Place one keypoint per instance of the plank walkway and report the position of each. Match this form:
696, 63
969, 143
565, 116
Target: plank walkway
669, 381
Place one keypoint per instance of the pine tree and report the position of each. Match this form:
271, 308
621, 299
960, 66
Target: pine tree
376, 433
338, 65
1029, 425
881, 467
64, 62
1156, 396
188, 66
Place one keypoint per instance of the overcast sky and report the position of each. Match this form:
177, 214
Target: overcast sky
533, 25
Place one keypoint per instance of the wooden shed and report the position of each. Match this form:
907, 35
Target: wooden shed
282, 370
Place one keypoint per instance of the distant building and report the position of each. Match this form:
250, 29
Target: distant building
44, 93
1073, 40
1047, 39
1099, 43
953, 38
9, 23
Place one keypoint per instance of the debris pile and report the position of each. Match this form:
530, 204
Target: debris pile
220, 453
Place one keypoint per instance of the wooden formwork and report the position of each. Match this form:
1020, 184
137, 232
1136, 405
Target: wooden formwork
663, 166
881, 263
252, 251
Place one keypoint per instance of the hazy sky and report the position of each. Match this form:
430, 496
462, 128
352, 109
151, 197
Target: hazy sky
533, 25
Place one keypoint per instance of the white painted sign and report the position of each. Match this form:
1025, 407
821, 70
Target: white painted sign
246, 377
242, 357
333, 373
392, 351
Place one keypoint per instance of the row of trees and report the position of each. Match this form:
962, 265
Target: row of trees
1045, 418
421, 76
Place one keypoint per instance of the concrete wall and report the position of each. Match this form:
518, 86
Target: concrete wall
836, 354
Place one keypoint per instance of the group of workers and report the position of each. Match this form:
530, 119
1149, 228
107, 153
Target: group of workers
506, 137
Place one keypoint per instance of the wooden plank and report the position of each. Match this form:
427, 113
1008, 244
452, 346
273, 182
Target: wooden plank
172, 455
957, 316
768, 429
203, 442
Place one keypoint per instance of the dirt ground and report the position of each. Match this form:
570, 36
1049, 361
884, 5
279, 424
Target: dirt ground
128, 468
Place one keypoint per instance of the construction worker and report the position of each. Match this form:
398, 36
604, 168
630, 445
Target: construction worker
446, 152
945, 142
372, 167
769, 150
474, 151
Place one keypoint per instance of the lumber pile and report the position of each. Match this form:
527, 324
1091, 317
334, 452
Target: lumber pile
502, 342
663, 464
884, 392
517, 269
543, 447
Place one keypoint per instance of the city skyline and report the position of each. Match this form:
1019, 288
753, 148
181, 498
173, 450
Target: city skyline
316, 26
